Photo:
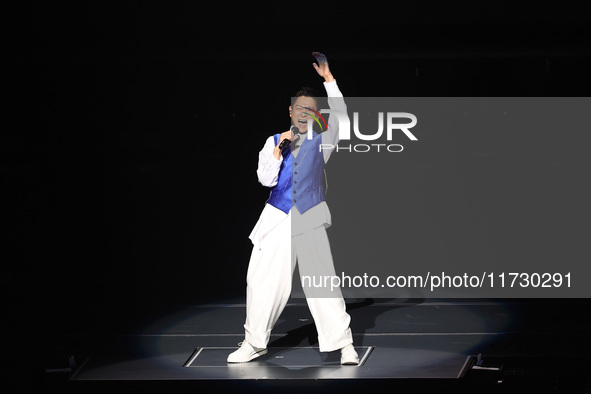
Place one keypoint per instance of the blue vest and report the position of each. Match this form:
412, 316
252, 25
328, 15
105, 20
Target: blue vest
300, 178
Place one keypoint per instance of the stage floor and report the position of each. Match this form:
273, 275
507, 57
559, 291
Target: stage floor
409, 339
394, 340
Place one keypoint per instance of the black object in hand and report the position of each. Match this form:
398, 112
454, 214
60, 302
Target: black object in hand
285, 143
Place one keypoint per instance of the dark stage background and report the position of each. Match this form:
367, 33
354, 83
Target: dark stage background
131, 132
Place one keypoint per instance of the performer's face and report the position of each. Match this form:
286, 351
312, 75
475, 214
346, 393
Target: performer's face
300, 110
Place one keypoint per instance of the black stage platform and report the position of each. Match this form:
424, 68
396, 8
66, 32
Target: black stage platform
458, 345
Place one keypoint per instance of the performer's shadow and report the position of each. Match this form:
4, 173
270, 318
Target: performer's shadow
290, 356
364, 314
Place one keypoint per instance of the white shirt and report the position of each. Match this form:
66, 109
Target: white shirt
268, 174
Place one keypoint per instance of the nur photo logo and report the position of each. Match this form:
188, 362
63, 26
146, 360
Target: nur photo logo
374, 128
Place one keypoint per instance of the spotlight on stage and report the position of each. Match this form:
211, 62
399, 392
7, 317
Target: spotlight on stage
395, 339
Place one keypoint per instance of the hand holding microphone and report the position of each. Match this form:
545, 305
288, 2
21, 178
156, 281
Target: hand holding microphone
288, 137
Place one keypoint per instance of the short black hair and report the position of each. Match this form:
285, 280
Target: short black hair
306, 92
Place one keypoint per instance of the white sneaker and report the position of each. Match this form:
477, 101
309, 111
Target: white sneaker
245, 353
349, 356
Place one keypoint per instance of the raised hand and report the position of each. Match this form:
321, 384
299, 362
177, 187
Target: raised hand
322, 67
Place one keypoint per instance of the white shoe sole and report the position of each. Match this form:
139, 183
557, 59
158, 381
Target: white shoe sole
257, 354
349, 362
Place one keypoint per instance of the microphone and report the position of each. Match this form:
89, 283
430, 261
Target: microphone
285, 143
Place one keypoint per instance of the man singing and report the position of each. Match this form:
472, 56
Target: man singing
292, 228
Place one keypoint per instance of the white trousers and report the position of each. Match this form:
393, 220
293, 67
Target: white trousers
268, 286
